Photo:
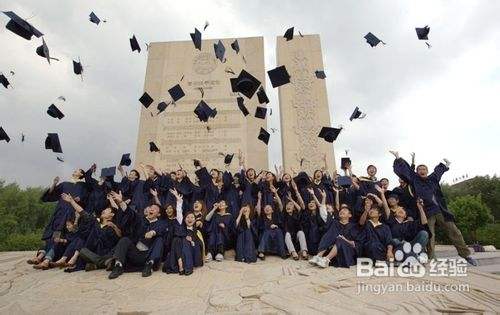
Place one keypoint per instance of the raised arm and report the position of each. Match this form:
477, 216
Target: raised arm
412, 166
69, 199
337, 198
313, 196
299, 196
121, 170
277, 198
118, 197
439, 170
258, 206
402, 169
178, 208
211, 213
384, 201
55, 181
154, 193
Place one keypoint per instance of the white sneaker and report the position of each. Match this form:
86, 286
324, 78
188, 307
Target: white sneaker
219, 257
314, 260
323, 262
208, 258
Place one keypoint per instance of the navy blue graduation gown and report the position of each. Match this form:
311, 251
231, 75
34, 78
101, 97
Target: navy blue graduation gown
211, 190
245, 241
375, 240
191, 254
249, 189
271, 240
406, 230
134, 190
218, 236
311, 223
230, 194
267, 195
407, 200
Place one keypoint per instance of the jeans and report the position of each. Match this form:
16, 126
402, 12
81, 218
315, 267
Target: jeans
422, 238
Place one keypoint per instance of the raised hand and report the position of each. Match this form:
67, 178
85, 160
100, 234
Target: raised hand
446, 162
311, 191
55, 181
93, 167
153, 192
117, 196
66, 197
379, 189
176, 194
323, 193
395, 153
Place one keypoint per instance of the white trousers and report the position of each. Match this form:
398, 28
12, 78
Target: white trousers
302, 242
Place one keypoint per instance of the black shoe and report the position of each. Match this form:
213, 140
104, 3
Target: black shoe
147, 271
90, 267
284, 256
188, 273
117, 271
109, 263
182, 272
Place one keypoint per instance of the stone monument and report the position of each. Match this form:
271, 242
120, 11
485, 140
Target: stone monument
178, 133
303, 104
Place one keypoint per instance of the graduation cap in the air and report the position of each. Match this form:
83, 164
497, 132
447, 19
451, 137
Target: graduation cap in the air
162, 106
289, 34
153, 147
228, 158
108, 171
3, 135
78, 68
4, 81
278, 76
242, 106
220, 50
146, 100
344, 181
204, 112
23, 136
94, 18
423, 32
196, 38
264, 135
52, 143
260, 112
235, 46
134, 45
176, 93
373, 40
20, 27
60, 159
53, 111
320, 74
262, 96
357, 114
43, 51
245, 84
125, 160
345, 162
329, 134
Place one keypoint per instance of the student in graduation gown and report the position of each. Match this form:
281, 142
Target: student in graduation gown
266, 185
77, 188
248, 182
285, 186
376, 236
170, 214
96, 200
426, 186
271, 240
132, 188
210, 182
292, 226
230, 193
220, 229
143, 248
187, 246
405, 198
312, 218
246, 234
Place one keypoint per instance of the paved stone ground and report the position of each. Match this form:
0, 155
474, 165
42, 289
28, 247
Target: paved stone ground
274, 286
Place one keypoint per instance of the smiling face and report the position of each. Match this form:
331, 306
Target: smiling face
170, 211
286, 178
400, 213
384, 183
189, 219
289, 207
344, 213
269, 177
78, 173
392, 201
422, 171
107, 214
311, 205
152, 212
197, 206
268, 210
371, 170
133, 175
251, 174
374, 213
318, 174
222, 206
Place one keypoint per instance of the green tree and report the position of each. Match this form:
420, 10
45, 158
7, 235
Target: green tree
471, 213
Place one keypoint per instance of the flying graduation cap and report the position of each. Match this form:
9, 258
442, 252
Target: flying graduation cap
3, 135
241, 106
78, 68
278, 76
134, 45
262, 96
125, 160
4, 81
196, 38
260, 112
95, 19
60, 159
162, 106
153, 147
245, 84
235, 46
204, 112
146, 100
373, 40
220, 50
52, 143
53, 111
423, 32
20, 27
320, 74
176, 93
289, 34
264, 135
329, 134
228, 158
357, 114
108, 172
43, 51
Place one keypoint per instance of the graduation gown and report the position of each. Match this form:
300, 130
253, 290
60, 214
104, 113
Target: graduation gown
245, 241
249, 189
311, 223
211, 190
375, 240
134, 190
218, 236
191, 254
407, 200
272, 241
230, 194
346, 253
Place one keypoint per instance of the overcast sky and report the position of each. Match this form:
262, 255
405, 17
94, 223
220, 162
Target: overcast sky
439, 102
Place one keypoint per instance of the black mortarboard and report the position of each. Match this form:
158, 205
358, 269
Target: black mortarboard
329, 134
220, 50
161, 107
176, 93
3, 135
278, 76
204, 112
264, 135
320, 74
94, 19
60, 159
357, 114
235, 46
134, 44
196, 163
345, 162
245, 83
373, 40
52, 143
108, 171
260, 112
422, 32
77, 67
20, 27
146, 100
53, 111
242, 106
196, 37
344, 181
125, 160
261, 94
4, 81
153, 147
43, 51
228, 158
289, 34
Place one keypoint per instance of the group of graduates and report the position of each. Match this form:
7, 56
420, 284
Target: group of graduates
154, 219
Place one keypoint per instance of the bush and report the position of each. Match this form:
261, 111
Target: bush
15, 242
471, 213
489, 235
